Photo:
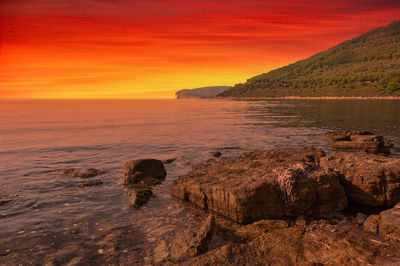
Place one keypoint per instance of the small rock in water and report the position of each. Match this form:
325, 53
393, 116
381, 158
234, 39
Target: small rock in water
139, 196
216, 154
91, 183
4, 198
81, 172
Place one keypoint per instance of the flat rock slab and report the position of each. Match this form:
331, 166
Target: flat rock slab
369, 179
387, 223
359, 140
264, 184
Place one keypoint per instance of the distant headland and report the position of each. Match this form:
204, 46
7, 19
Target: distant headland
201, 93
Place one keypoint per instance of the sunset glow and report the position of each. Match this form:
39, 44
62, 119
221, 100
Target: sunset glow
150, 49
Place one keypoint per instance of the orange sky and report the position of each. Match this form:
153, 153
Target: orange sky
151, 48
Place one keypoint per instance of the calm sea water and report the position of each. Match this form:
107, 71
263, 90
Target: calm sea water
51, 220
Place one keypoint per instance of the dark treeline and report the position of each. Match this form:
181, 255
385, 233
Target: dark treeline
368, 65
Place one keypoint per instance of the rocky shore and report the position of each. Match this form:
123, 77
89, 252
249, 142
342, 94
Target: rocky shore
297, 206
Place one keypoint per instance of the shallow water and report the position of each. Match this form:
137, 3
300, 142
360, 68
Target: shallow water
51, 220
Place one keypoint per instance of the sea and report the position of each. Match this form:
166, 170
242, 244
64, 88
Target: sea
52, 220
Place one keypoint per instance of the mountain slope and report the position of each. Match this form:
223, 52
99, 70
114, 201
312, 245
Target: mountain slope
368, 65
205, 92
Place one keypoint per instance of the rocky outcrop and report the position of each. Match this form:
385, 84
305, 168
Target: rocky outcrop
81, 172
387, 223
318, 244
193, 242
368, 179
359, 140
264, 184
150, 171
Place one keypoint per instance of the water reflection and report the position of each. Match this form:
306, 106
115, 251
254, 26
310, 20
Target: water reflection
52, 220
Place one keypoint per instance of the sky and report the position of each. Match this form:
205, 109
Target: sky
151, 48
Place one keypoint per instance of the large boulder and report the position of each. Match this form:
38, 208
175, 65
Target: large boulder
369, 179
319, 244
263, 184
150, 171
387, 223
359, 140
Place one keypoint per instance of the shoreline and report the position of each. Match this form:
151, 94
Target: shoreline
315, 98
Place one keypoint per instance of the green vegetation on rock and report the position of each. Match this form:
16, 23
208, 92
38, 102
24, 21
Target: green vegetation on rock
368, 65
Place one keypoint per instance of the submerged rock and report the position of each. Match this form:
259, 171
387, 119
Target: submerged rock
81, 172
263, 184
193, 242
136, 171
216, 154
91, 183
139, 196
369, 179
319, 244
387, 223
359, 140
4, 198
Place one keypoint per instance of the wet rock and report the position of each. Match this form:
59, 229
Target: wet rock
91, 183
387, 223
136, 171
216, 154
4, 198
320, 244
254, 230
81, 172
359, 140
369, 179
371, 224
263, 185
139, 196
193, 242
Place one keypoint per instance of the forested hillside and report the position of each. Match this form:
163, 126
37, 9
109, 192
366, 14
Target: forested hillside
368, 65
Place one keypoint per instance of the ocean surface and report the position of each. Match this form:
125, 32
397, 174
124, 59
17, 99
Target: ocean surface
51, 220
